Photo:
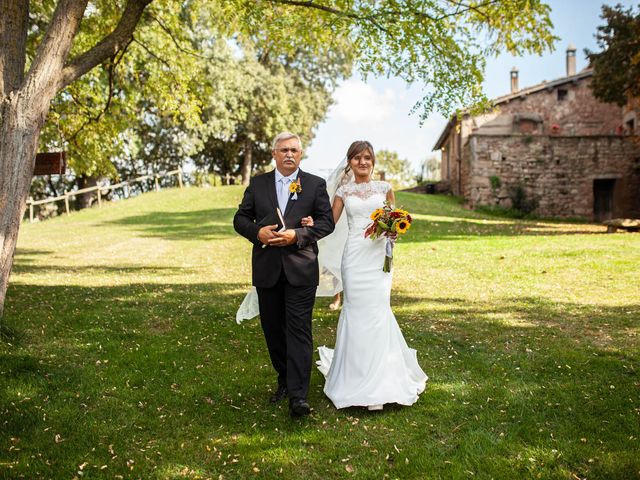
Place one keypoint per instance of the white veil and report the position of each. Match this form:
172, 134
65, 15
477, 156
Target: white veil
330, 250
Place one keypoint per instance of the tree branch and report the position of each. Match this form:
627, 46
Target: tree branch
466, 8
175, 41
334, 11
54, 49
111, 67
324, 8
108, 46
13, 36
157, 57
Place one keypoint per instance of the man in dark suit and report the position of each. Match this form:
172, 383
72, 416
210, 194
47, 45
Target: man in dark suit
285, 264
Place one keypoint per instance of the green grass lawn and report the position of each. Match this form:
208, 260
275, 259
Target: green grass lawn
122, 359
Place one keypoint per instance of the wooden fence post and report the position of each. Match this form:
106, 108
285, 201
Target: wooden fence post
156, 183
99, 198
180, 177
30, 210
66, 202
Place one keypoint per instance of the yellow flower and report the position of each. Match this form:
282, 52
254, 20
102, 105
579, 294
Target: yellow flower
295, 187
377, 213
402, 226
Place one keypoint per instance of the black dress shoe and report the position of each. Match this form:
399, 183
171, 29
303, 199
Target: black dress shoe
299, 408
279, 394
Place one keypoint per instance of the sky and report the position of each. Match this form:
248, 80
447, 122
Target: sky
379, 109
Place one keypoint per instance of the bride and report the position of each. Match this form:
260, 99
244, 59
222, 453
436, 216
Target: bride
371, 364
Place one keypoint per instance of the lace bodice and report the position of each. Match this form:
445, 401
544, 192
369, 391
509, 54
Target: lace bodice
360, 200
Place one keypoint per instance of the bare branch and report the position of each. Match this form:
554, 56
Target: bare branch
108, 46
13, 36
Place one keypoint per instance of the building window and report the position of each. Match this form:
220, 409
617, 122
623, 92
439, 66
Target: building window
631, 126
562, 94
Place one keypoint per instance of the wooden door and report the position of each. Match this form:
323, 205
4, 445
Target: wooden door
603, 198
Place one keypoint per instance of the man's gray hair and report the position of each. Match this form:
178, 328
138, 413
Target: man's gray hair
281, 137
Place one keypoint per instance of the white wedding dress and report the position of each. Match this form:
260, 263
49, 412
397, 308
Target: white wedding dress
371, 363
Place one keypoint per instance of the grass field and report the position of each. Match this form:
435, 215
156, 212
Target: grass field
121, 357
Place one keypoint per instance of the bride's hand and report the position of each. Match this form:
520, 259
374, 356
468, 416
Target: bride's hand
307, 221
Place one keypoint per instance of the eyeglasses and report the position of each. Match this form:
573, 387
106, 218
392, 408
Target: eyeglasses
286, 150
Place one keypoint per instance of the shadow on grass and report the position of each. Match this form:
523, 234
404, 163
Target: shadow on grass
21, 266
159, 377
455, 222
206, 224
216, 223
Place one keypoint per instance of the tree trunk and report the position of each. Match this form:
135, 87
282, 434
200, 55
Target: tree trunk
247, 162
20, 124
85, 200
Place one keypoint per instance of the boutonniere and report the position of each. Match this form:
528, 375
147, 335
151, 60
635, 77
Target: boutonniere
294, 189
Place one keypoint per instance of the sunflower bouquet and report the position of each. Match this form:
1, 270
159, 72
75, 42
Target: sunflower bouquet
388, 222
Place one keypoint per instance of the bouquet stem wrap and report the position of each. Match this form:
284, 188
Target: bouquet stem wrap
388, 257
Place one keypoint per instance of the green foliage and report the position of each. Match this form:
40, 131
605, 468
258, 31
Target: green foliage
191, 85
215, 80
122, 357
398, 171
616, 76
495, 182
521, 201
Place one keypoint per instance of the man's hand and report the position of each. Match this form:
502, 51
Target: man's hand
283, 239
267, 233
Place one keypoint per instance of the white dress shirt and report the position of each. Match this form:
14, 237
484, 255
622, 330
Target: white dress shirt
282, 188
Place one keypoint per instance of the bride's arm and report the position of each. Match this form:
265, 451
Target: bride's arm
336, 208
391, 198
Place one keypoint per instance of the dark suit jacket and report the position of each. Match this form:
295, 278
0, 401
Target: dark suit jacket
258, 208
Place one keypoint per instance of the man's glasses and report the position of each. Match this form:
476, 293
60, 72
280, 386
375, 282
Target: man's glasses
286, 150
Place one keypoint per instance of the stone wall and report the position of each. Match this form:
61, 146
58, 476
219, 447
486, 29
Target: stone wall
578, 113
557, 171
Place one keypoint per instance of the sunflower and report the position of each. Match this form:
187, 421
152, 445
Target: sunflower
295, 187
377, 213
402, 226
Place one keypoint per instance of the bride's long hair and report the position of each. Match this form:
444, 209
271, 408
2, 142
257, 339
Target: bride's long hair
357, 147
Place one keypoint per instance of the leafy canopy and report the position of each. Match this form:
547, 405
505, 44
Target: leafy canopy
616, 76
218, 70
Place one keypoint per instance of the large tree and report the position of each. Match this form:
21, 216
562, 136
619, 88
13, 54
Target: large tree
439, 43
397, 171
616, 75
269, 95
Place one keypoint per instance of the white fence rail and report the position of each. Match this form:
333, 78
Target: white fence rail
102, 190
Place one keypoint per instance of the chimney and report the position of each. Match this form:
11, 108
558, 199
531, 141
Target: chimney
571, 60
514, 80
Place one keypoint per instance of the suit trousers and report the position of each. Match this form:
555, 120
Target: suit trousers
285, 315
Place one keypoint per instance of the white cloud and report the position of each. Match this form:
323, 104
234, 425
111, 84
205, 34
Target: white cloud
357, 103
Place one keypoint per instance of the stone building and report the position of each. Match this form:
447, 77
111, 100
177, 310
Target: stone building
552, 148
